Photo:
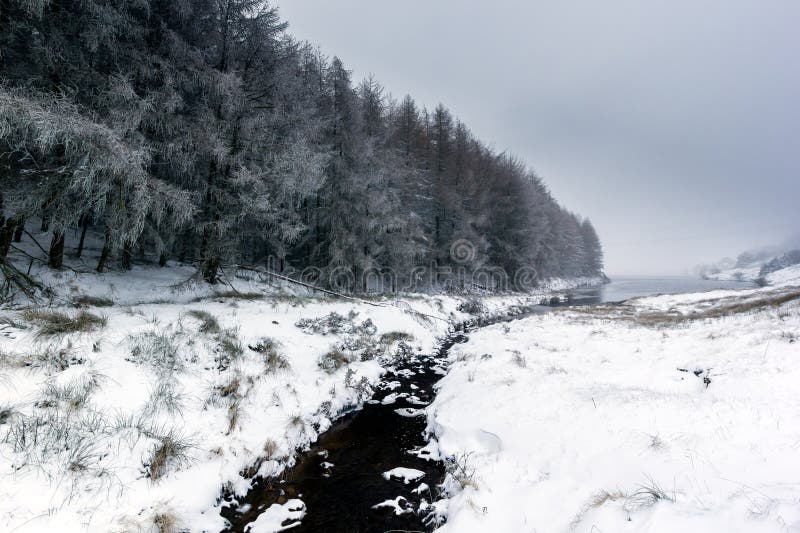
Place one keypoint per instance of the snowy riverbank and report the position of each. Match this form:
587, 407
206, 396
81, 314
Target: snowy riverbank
668, 413
135, 401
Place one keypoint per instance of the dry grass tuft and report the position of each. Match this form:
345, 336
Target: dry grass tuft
54, 323
208, 322
599, 499
656, 442
274, 360
647, 495
172, 449
296, 421
333, 360
92, 301
461, 471
165, 522
234, 413
235, 295
270, 448
231, 389
391, 337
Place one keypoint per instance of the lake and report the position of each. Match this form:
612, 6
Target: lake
626, 287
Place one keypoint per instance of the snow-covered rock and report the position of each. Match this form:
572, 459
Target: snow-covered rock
406, 475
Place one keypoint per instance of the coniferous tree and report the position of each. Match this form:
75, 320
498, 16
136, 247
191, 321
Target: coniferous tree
199, 130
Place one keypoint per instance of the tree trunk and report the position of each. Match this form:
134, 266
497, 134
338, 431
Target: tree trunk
56, 251
84, 227
209, 256
127, 256
6, 234
101, 263
209, 269
162, 260
19, 231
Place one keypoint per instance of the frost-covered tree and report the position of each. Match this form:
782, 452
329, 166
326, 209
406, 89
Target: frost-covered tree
74, 167
593, 250
199, 130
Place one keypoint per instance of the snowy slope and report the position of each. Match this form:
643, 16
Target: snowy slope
749, 273
632, 418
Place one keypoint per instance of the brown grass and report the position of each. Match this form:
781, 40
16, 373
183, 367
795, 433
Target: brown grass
165, 522
599, 499
270, 448
269, 348
54, 323
731, 306
333, 360
92, 301
231, 389
208, 322
171, 449
391, 337
235, 295
234, 413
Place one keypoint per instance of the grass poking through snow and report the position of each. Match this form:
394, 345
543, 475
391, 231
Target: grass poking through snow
172, 450
92, 301
270, 349
208, 322
55, 324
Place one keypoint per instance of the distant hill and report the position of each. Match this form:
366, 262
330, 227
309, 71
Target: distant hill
755, 265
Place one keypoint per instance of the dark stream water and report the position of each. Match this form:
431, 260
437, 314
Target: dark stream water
361, 446
365, 444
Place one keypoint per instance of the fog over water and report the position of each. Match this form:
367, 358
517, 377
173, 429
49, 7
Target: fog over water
672, 125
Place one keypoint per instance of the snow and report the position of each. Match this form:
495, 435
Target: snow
749, 273
408, 412
393, 397
399, 505
151, 377
580, 420
272, 520
421, 489
781, 277
283, 410
406, 475
786, 276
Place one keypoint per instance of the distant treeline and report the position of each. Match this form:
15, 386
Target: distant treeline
200, 131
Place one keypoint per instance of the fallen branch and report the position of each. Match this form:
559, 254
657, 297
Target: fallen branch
334, 293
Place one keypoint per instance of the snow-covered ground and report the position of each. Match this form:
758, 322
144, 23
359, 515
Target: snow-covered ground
168, 391
748, 273
753, 273
669, 413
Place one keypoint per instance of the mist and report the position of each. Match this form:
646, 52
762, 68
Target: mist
671, 125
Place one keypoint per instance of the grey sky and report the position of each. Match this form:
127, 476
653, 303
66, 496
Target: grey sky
673, 125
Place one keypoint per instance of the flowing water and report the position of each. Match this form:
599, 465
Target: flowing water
341, 478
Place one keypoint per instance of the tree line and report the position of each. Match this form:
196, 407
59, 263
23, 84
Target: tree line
201, 131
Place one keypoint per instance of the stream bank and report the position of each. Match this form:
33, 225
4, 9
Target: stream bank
369, 471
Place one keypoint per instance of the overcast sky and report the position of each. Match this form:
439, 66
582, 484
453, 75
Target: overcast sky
674, 125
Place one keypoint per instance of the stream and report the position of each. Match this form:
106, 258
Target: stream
342, 477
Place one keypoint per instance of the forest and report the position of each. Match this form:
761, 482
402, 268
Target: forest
200, 131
